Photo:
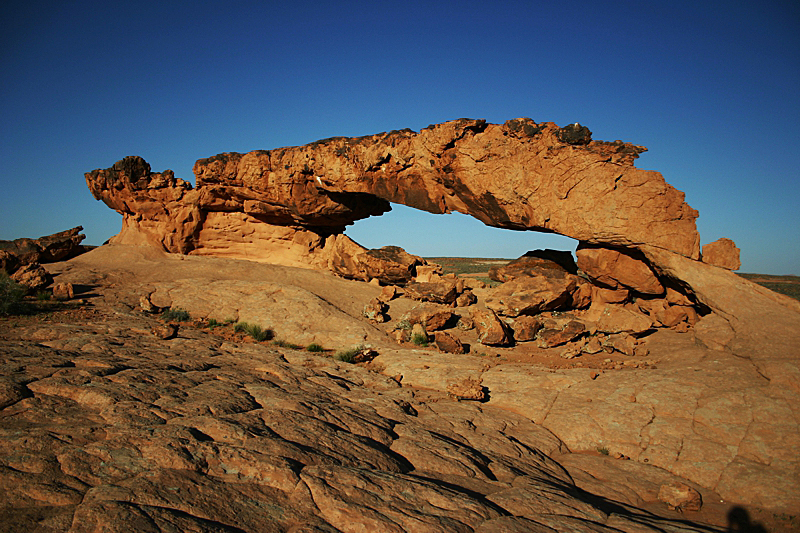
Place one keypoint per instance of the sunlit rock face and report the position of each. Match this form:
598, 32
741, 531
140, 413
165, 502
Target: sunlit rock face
291, 205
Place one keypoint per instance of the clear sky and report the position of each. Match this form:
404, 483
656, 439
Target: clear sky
711, 88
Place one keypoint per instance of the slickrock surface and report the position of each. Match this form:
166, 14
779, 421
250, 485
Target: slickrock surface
108, 427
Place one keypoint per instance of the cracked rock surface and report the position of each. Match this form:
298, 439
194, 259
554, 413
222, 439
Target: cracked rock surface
107, 427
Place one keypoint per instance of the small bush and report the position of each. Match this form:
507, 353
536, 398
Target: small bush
258, 333
254, 330
212, 323
11, 295
176, 315
603, 451
286, 344
419, 339
314, 347
43, 296
347, 356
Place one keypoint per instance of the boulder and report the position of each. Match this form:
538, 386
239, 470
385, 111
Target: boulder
528, 295
466, 298
722, 253
491, 330
617, 268
9, 262
50, 248
617, 319
440, 292
525, 327
556, 332
63, 291
431, 316
376, 310
33, 276
532, 263
446, 342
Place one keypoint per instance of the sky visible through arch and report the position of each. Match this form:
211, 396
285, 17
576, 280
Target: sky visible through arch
709, 87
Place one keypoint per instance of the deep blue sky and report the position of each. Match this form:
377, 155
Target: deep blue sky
711, 88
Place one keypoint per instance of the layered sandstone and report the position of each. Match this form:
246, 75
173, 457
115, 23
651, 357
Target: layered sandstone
291, 205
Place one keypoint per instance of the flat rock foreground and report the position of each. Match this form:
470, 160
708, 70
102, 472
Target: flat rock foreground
109, 426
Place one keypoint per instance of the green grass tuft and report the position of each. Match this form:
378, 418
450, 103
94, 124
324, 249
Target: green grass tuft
419, 339
347, 356
314, 347
176, 315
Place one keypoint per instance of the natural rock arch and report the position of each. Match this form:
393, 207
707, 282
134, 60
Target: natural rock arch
291, 205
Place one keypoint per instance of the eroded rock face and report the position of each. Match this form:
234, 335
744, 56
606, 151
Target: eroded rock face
722, 253
618, 269
291, 205
56, 247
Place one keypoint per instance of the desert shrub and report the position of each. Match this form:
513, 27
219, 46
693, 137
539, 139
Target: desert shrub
11, 295
603, 450
404, 324
419, 339
286, 344
212, 323
176, 315
314, 347
258, 333
347, 356
43, 296
254, 330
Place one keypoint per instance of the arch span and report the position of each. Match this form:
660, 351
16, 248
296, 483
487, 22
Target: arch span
291, 205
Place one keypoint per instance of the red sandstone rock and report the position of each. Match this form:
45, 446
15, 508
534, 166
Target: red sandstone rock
446, 342
532, 263
63, 291
617, 319
616, 268
33, 276
290, 205
431, 316
528, 295
468, 389
441, 292
57, 247
491, 330
525, 328
558, 332
680, 496
722, 253
375, 310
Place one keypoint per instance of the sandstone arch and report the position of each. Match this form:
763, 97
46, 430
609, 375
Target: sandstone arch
291, 205
287, 205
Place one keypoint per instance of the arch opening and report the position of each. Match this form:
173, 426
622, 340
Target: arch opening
450, 235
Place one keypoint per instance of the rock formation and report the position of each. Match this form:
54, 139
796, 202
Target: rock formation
291, 205
722, 253
57, 247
